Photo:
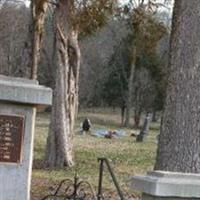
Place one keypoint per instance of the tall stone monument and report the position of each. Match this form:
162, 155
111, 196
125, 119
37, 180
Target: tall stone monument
18, 101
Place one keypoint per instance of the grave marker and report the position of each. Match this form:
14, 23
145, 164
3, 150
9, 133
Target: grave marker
11, 136
18, 101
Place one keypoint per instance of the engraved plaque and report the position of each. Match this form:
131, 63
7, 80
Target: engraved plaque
11, 135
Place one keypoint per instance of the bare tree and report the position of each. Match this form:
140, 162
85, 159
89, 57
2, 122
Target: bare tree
13, 38
147, 32
96, 65
72, 18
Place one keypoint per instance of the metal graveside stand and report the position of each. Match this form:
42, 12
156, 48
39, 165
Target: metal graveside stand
18, 101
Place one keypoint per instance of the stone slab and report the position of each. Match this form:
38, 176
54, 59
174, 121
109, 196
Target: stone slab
15, 178
24, 91
168, 184
149, 197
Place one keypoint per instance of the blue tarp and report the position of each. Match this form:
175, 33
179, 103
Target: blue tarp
104, 132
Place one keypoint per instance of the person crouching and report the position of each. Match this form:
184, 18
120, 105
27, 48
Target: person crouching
86, 126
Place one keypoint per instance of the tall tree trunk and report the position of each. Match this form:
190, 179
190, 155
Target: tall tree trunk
59, 151
137, 116
154, 116
31, 51
123, 109
38, 9
179, 141
24, 69
75, 60
130, 89
138, 108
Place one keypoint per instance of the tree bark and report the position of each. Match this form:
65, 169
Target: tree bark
38, 9
31, 51
24, 70
154, 116
137, 117
123, 109
130, 89
179, 141
59, 151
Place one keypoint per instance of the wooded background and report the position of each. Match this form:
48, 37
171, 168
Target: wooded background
98, 53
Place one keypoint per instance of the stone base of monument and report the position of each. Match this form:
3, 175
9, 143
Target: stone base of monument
149, 197
161, 185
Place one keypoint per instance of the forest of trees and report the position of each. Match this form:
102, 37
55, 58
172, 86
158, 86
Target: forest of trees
93, 54
105, 53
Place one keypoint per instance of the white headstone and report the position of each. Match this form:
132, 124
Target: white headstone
168, 185
18, 101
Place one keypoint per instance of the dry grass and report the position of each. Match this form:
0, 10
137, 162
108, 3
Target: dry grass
127, 157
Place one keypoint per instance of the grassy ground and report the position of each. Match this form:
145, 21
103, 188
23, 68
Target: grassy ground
127, 157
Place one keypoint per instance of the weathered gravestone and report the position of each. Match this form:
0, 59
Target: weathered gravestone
163, 185
18, 101
145, 129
